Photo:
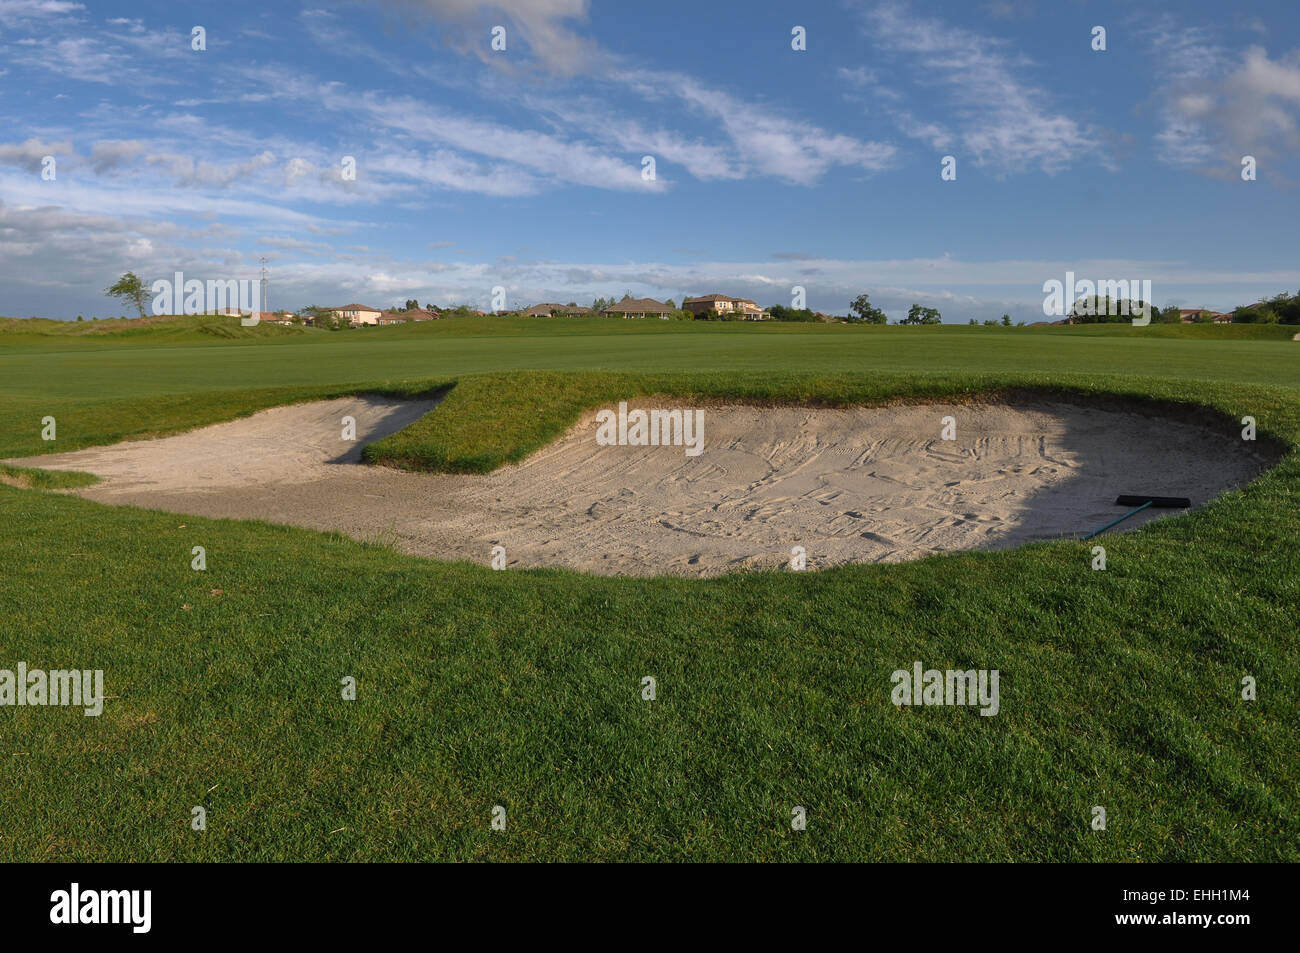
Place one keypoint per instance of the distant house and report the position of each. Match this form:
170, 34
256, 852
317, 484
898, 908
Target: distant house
726, 305
278, 317
637, 308
402, 317
358, 314
549, 310
1191, 316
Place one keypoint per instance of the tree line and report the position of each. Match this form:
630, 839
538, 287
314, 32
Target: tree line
1282, 308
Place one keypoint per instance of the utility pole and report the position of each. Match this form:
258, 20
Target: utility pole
263, 261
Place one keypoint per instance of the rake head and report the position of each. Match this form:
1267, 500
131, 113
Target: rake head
1169, 502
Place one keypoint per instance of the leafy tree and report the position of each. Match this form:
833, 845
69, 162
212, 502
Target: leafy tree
919, 315
1284, 308
1292, 313
862, 311
1088, 310
782, 313
129, 289
325, 318
1006, 320
1094, 309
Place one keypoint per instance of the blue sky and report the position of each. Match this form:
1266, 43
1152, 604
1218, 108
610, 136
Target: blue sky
523, 168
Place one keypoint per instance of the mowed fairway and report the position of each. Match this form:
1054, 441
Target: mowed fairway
163, 361
1119, 688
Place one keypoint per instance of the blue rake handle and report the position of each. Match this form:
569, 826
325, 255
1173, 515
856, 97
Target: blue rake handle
1120, 520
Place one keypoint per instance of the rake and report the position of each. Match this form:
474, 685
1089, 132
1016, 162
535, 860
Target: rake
1141, 503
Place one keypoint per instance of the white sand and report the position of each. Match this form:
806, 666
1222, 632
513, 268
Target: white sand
860, 485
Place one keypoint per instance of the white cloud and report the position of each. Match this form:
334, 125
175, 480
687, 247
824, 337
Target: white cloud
187, 172
1000, 121
930, 132
29, 155
561, 158
157, 203
446, 169
862, 80
1219, 105
543, 26
14, 12
109, 154
765, 140
88, 59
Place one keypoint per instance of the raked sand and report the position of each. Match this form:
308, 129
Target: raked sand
871, 484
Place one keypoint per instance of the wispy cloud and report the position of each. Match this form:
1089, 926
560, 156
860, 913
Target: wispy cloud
1219, 104
546, 29
110, 154
560, 158
999, 120
766, 140
29, 155
14, 12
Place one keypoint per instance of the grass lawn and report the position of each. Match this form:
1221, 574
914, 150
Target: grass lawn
477, 688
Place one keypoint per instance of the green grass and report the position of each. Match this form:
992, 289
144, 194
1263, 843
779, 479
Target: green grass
522, 688
171, 375
31, 478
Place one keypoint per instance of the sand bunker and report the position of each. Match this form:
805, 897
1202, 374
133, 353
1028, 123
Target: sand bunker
867, 484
